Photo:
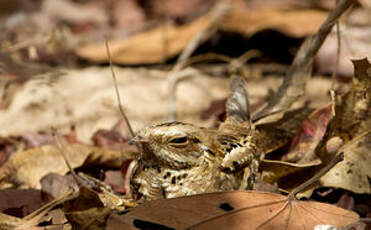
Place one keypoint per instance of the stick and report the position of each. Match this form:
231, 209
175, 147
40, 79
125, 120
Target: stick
117, 90
294, 83
138, 145
60, 149
339, 157
217, 14
338, 52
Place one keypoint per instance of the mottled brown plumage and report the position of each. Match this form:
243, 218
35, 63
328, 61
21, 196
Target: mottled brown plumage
181, 159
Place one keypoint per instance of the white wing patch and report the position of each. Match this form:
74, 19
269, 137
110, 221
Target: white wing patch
238, 157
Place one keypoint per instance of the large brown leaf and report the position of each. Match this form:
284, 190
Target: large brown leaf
148, 47
237, 210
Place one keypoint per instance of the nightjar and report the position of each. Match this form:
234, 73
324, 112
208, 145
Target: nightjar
180, 159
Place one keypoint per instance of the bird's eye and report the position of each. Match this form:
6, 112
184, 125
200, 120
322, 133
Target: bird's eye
179, 141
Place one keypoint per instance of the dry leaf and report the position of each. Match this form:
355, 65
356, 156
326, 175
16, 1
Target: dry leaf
352, 110
90, 209
27, 168
115, 179
31, 221
64, 100
293, 23
352, 120
116, 224
311, 133
148, 47
293, 86
56, 184
8, 222
237, 210
85, 209
18, 202
354, 172
276, 130
57, 220
287, 175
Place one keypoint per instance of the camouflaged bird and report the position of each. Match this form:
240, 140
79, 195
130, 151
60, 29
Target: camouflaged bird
180, 159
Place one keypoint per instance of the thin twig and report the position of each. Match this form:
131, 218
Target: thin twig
294, 83
60, 149
117, 90
208, 57
233, 63
138, 145
217, 14
337, 58
339, 157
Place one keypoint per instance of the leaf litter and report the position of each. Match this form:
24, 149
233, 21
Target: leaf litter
307, 139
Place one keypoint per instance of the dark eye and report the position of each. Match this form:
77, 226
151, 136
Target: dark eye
179, 141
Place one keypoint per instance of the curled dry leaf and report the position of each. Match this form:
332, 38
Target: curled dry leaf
350, 124
277, 129
148, 47
27, 168
354, 172
86, 210
352, 110
90, 209
237, 210
311, 133
301, 154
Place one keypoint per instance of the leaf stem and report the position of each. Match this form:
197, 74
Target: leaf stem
339, 157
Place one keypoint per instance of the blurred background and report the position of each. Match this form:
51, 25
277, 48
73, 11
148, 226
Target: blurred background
54, 63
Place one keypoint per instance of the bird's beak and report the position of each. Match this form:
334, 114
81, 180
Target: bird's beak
138, 139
